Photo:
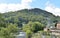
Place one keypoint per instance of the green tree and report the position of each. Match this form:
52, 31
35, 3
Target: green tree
2, 21
32, 27
9, 31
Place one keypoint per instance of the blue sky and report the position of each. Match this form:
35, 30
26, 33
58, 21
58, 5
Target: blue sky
10, 1
10, 5
35, 3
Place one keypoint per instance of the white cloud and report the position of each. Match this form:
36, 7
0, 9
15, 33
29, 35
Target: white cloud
13, 7
51, 8
25, 1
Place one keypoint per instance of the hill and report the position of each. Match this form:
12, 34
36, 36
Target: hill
24, 16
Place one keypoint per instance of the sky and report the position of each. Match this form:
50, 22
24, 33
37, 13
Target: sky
52, 6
